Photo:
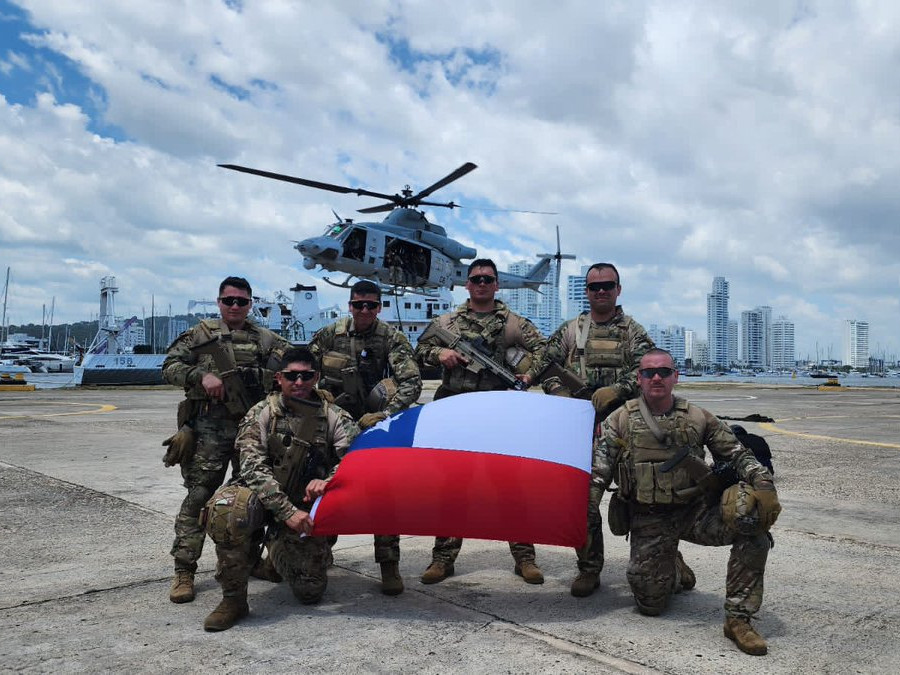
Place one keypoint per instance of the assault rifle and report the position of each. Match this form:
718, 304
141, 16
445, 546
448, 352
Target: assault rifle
577, 387
238, 399
479, 357
710, 481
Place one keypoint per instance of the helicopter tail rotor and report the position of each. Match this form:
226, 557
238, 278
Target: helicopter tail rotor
558, 257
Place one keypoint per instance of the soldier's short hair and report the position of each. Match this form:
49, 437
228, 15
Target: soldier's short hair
365, 287
236, 282
482, 262
299, 355
604, 266
660, 350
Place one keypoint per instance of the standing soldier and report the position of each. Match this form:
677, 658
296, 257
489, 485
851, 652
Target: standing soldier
510, 339
369, 368
225, 366
595, 356
290, 445
654, 449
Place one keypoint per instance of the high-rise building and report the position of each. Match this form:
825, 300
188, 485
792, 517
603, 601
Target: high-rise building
690, 339
756, 337
783, 355
856, 343
717, 323
732, 341
176, 328
700, 354
576, 294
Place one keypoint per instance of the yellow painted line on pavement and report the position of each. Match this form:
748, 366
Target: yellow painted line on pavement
771, 427
101, 408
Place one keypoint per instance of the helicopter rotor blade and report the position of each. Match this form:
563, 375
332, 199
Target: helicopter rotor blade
378, 209
488, 208
308, 183
446, 180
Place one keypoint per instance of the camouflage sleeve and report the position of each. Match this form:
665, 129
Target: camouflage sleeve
725, 447
534, 343
638, 343
406, 372
256, 465
429, 347
607, 448
342, 430
272, 360
553, 352
322, 341
180, 367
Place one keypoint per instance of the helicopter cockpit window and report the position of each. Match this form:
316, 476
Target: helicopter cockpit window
355, 244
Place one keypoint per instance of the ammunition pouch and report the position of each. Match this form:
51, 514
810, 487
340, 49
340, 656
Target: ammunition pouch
739, 510
341, 377
619, 515
518, 359
180, 447
653, 486
232, 515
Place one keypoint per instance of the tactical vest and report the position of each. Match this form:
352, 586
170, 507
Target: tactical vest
355, 364
598, 353
298, 445
498, 332
251, 348
639, 477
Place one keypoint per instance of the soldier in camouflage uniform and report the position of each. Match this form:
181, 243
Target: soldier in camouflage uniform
213, 413
357, 354
511, 339
602, 348
289, 444
653, 447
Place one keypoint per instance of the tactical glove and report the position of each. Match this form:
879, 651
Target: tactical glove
603, 397
371, 419
179, 447
767, 504
560, 390
325, 395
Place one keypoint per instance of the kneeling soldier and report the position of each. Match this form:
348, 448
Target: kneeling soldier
654, 448
289, 444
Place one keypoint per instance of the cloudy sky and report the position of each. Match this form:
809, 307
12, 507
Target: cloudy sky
681, 140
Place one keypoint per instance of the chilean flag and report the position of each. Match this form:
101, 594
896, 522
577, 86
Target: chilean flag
505, 465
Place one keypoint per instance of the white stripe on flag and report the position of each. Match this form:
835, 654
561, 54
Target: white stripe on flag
514, 423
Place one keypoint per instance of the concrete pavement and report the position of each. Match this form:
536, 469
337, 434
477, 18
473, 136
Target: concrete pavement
87, 523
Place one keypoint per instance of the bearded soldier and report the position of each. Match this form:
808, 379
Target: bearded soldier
653, 447
369, 368
225, 366
595, 356
510, 339
289, 444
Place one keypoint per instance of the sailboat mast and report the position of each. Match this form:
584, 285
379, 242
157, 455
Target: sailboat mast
4, 331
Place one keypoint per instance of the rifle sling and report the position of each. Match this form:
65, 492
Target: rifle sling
660, 435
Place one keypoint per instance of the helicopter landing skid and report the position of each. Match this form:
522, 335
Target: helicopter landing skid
344, 284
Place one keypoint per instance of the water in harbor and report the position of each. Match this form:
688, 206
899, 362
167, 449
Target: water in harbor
798, 381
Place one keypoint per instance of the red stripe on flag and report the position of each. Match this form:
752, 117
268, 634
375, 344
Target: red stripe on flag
444, 493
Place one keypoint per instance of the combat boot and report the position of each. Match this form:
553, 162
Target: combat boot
229, 612
684, 574
265, 570
437, 571
182, 589
530, 572
391, 581
745, 636
585, 584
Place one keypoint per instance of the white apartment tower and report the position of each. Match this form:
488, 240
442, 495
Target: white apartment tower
717, 323
856, 343
783, 354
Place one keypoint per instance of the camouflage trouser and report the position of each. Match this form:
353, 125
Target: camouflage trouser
655, 533
215, 433
447, 548
387, 548
301, 561
590, 556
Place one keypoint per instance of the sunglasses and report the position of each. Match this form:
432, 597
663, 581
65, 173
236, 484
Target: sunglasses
294, 375
479, 279
231, 301
662, 372
364, 304
601, 286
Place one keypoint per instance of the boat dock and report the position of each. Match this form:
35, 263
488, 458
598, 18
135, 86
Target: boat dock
87, 525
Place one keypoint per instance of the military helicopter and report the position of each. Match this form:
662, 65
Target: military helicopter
404, 251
